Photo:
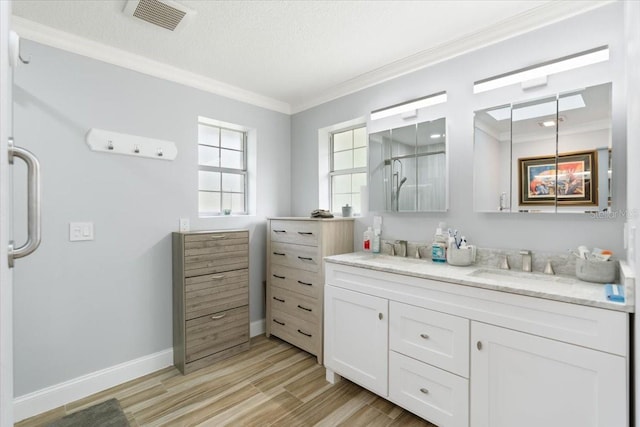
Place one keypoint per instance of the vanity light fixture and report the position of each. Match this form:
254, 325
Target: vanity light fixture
416, 104
533, 73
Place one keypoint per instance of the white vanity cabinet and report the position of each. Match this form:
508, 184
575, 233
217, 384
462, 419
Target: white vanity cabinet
527, 381
462, 356
357, 341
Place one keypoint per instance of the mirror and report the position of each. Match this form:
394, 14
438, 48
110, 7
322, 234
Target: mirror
407, 168
547, 155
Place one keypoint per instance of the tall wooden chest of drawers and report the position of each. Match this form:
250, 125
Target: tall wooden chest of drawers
295, 276
210, 297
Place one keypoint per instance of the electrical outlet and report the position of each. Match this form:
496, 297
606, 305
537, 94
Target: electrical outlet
184, 224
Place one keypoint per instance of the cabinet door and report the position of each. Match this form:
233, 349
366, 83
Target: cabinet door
523, 380
356, 330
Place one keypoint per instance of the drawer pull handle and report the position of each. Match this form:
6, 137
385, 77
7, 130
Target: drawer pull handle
424, 390
219, 277
304, 308
279, 277
425, 336
479, 345
305, 283
218, 317
279, 231
304, 258
278, 299
278, 322
304, 333
380, 316
279, 253
306, 233
218, 236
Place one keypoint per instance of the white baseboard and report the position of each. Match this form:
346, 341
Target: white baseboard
257, 328
69, 391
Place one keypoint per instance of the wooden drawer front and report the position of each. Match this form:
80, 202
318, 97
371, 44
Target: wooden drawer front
211, 240
216, 292
299, 306
233, 257
296, 331
296, 256
301, 281
298, 232
434, 394
436, 338
213, 333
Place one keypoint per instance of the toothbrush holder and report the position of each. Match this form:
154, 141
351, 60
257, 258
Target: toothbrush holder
461, 257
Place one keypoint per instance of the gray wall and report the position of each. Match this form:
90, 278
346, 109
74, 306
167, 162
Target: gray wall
85, 306
603, 26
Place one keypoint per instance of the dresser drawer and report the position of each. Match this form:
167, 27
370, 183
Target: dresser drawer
296, 256
216, 262
216, 292
213, 333
298, 232
301, 281
299, 306
434, 394
436, 338
207, 240
296, 331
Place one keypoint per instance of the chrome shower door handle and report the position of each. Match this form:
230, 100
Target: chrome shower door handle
34, 209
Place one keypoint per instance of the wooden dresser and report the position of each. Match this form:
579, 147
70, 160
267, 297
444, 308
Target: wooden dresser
210, 297
295, 276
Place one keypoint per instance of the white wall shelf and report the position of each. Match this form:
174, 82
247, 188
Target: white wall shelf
131, 145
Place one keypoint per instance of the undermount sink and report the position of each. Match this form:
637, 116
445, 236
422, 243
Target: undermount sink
518, 276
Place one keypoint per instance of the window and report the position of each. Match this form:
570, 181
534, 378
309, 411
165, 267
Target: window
222, 170
348, 168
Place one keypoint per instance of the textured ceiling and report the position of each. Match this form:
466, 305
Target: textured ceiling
302, 53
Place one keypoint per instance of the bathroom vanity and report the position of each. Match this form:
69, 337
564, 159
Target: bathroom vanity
475, 346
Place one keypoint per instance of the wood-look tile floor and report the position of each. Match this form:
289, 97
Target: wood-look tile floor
272, 384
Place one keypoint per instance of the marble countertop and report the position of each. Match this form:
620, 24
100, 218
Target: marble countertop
559, 288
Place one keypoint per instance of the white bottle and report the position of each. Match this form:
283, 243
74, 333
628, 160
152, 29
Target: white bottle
375, 244
366, 240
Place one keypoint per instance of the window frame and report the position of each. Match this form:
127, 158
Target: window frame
244, 172
351, 171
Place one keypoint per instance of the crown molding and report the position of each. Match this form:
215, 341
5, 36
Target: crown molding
538, 17
43, 34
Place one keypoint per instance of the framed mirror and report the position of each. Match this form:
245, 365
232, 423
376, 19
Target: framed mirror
407, 168
546, 155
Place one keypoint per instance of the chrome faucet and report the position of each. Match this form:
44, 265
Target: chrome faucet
526, 260
403, 247
392, 249
503, 264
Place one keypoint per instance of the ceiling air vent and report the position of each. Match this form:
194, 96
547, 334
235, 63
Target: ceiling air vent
163, 13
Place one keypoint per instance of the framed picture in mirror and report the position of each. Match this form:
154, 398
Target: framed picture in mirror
542, 181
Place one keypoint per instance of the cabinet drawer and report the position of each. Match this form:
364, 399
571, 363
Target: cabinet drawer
301, 281
216, 262
213, 293
434, 394
296, 256
204, 240
436, 338
298, 232
299, 306
213, 333
296, 331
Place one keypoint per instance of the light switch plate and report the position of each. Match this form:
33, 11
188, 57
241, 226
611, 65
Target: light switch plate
184, 224
80, 231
